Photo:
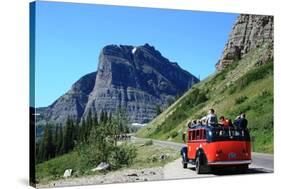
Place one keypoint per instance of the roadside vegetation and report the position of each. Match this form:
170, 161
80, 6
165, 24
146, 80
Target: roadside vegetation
83, 147
152, 155
243, 86
145, 155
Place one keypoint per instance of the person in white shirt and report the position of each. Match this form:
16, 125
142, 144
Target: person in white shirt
211, 119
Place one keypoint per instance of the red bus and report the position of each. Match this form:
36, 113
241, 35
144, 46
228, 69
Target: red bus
212, 147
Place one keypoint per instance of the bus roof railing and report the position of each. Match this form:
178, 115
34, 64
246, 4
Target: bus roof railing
217, 127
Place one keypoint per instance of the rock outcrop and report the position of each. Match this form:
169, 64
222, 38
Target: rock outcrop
249, 32
136, 79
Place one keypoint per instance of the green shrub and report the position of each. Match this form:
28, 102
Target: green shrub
232, 89
264, 94
55, 172
231, 67
117, 156
158, 128
241, 99
53, 169
244, 108
220, 76
195, 97
122, 155
254, 75
148, 142
173, 134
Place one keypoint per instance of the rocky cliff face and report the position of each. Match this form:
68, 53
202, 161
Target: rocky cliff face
249, 32
136, 79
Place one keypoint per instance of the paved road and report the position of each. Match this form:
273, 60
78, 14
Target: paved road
262, 163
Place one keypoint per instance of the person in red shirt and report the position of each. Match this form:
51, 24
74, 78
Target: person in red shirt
224, 122
229, 122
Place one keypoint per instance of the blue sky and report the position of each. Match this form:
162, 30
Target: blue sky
69, 37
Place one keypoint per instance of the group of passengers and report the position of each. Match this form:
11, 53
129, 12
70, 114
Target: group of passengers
211, 120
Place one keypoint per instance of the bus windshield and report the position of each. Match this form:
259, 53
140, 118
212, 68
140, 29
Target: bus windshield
225, 134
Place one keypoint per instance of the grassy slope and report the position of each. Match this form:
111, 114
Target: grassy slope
147, 156
241, 87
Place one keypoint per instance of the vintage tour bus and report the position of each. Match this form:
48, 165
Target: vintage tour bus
210, 147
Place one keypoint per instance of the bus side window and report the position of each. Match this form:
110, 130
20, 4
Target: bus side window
197, 134
203, 134
200, 134
193, 135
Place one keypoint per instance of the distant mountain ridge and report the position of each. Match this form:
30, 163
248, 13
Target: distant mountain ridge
135, 78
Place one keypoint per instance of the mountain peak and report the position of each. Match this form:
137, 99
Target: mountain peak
135, 78
126, 48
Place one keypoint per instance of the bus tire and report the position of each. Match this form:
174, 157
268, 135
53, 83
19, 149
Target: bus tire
184, 165
200, 166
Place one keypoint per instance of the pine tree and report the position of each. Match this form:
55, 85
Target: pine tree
82, 131
68, 139
105, 117
95, 119
39, 151
56, 140
48, 146
75, 132
158, 109
109, 125
71, 134
102, 117
60, 141
89, 125
121, 121
110, 117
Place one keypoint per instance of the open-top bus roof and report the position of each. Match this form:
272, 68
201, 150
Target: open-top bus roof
206, 127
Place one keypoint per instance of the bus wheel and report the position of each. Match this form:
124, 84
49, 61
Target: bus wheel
198, 165
184, 165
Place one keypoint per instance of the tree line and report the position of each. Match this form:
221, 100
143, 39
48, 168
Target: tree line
94, 134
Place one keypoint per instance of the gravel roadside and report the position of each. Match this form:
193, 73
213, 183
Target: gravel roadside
122, 176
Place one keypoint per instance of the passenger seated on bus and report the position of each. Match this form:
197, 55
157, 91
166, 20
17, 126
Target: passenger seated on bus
230, 124
211, 119
241, 122
193, 123
225, 122
239, 116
